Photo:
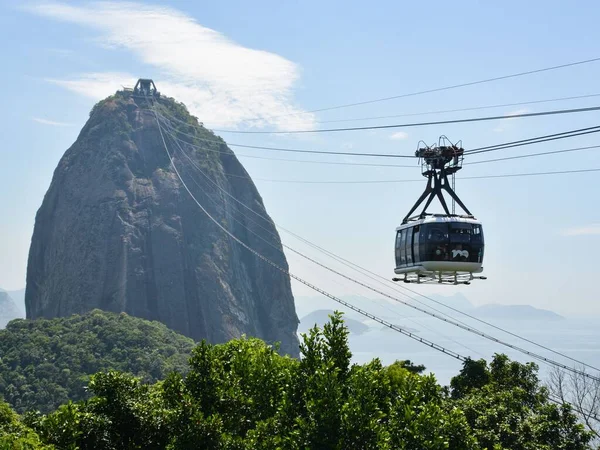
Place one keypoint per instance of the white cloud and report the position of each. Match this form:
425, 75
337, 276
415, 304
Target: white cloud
51, 122
221, 82
96, 85
498, 130
587, 230
399, 135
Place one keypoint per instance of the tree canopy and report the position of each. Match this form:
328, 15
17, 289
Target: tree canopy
45, 363
244, 395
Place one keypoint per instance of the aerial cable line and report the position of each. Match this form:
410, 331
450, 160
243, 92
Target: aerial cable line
229, 153
281, 149
578, 410
473, 108
336, 163
349, 264
527, 174
359, 268
421, 124
535, 140
528, 141
278, 249
306, 283
341, 163
429, 91
482, 177
449, 321
465, 327
261, 216
531, 155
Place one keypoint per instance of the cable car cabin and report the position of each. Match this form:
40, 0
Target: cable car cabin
439, 248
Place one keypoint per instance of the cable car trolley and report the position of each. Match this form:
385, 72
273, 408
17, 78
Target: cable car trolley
439, 248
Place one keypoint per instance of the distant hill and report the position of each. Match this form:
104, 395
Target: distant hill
19, 299
515, 312
8, 310
320, 317
385, 308
497, 311
457, 300
46, 362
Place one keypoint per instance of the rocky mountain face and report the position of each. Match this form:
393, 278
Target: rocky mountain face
118, 231
8, 310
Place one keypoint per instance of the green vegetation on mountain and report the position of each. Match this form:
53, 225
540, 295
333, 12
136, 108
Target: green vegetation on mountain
244, 395
45, 363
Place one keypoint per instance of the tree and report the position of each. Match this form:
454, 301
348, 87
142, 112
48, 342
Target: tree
582, 393
243, 395
47, 362
507, 407
14, 435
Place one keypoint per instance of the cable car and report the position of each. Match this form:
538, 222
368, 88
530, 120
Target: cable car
444, 248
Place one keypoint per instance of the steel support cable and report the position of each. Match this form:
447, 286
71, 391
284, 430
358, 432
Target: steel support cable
278, 249
283, 149
531, 155
555, 399
334, 163
368, 164
473, 108
429, 91
391, 181
450, 321
528, 141
421, 124
306, 283
336, 257
482, 177
362, 270
230, 153
534, 140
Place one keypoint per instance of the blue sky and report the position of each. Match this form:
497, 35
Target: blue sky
230, 61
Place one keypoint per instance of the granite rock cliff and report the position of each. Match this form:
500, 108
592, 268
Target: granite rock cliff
117, 231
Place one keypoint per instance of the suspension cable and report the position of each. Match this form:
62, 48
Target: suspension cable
460, 325
420, 124
306, 283
429, 91
276, 237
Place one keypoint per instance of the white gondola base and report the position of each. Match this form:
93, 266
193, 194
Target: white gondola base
440, 277
439, 249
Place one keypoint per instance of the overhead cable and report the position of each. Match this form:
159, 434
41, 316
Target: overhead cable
467, 328
421, 124
429, 91
278, 248
472, 108
295, 277
534, 140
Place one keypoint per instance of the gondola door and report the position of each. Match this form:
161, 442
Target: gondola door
416, 244
409, 246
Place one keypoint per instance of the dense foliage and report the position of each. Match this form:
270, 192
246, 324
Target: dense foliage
14, 435
46, 363
244, 395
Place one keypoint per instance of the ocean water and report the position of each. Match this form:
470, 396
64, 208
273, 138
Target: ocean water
576, 338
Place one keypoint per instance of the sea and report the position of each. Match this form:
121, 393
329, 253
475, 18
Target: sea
578, 339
